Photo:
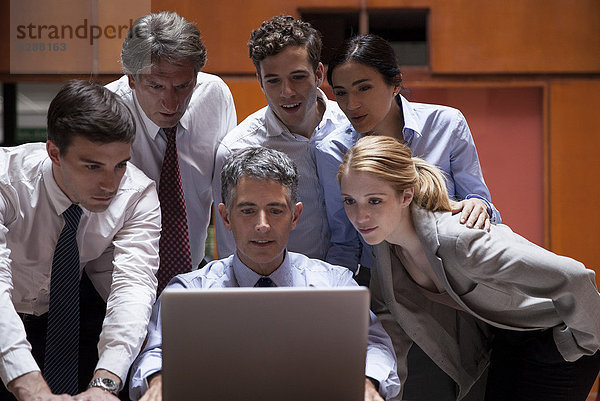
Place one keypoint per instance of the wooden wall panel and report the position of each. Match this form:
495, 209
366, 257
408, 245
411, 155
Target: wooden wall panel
515, 36
247, 96
508, 128
575, 170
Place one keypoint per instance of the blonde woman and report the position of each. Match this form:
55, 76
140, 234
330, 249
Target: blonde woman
464, 294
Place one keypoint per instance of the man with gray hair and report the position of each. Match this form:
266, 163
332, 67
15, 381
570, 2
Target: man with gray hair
181, 116
259, 189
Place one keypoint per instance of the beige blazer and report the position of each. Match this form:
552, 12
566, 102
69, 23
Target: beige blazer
498, 278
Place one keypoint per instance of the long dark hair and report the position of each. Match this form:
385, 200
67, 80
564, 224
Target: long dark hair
370, 50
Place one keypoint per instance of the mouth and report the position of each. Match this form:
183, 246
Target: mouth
366, 230
358, 119
291, 107
103, 198
261, 242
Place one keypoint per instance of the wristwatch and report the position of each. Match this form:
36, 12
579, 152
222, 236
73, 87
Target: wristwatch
106, 384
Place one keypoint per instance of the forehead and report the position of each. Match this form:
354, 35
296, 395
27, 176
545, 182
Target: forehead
352, 72
260, 192
163, 70
290, 59
109, 153
356, 182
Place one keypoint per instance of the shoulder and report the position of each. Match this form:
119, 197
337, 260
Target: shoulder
318, 272
251, 131
210, 82
217, 273
342, 138
20, 163
121, 87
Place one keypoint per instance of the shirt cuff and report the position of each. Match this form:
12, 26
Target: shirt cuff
17, 363
487, 203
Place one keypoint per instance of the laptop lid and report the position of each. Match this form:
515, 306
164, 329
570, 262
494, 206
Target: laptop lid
267, 344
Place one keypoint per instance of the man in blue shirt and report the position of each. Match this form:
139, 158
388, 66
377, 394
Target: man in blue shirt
260, 208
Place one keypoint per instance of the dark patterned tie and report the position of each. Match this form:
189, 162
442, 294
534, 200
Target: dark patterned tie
62, 336
175, 257
265, 282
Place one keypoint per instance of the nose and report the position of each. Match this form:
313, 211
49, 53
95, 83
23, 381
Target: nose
287, 89
169, 101
361, 214
109, 181
352, 102
262, 225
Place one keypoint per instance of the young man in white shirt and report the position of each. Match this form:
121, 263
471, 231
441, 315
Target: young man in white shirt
83, 166
261, 209
286, 53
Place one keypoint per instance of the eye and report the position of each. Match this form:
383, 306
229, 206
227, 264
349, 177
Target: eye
273, 81
349, 201
92, 166
364, 88
298, 77
339, 93
183, 86
121, 165
246, 211
155, 86
374, 201
276, 211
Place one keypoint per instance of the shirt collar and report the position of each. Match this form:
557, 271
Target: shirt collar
246, 277
275, 127
412, 125
58, 199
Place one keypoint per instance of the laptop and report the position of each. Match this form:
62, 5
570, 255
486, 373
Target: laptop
265, 344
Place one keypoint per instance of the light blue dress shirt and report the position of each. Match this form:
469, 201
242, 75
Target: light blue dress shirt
296, 271
438, 134
263, 128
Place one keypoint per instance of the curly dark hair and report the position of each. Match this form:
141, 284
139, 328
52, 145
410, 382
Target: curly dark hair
280, 32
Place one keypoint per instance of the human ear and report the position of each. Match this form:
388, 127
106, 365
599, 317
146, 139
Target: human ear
297, 212
53, 152
320, 74
407, 196
225, 216
131, 81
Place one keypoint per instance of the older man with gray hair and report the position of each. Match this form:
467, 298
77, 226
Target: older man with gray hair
181, 116
259, 190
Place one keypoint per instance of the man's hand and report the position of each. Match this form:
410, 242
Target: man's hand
371, 393
473, 213
97, 393
32, 387
154, 392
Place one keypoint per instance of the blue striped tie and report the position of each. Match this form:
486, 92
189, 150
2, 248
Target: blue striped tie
62, 337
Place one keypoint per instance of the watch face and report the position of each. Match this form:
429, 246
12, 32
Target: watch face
109, 383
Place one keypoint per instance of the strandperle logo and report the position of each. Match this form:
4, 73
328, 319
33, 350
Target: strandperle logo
85, 30
70, 36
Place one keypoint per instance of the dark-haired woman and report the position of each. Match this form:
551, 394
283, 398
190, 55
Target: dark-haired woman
366, 82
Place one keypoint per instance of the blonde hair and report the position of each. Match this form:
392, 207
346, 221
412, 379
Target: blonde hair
390, 161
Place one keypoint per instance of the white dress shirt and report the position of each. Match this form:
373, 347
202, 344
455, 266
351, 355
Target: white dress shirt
295, 271
209, 116
31, 204
263, 128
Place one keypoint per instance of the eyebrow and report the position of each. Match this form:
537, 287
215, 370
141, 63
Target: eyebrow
100, 163
271, 204
357, 82
293, 72
370, 194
